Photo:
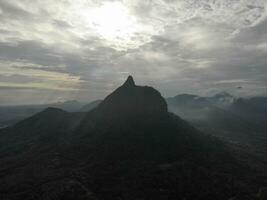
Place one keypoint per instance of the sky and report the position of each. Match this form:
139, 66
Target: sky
64, 50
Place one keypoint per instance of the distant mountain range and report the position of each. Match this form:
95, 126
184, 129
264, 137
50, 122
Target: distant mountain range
240, 121
188, 106
127, 147
221, 109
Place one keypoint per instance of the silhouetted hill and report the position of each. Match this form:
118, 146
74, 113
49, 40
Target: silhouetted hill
10, 115
130, 100
50, 119
39, 131
133, 121
128, 147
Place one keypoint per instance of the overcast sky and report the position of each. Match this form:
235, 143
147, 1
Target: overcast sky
83, 49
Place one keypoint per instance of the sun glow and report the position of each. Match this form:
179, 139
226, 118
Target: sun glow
113, 22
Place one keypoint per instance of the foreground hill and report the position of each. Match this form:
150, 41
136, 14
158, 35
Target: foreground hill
129, 147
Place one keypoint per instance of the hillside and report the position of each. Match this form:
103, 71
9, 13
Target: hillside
129, 147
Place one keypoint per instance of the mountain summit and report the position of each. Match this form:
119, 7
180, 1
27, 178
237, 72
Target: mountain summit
130, 100
134, 122
129, 81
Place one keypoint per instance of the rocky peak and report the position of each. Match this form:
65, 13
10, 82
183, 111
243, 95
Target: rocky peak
129, 81
131, 100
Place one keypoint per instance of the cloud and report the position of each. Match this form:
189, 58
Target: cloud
185, 46
13, 10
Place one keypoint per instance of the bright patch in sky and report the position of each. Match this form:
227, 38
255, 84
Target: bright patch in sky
113, 22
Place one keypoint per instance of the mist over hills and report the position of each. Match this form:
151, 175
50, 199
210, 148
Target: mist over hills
188, 106
127, 147
238, 120
222, 111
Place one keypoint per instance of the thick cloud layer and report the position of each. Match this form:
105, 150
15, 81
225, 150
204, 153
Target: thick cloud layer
61, 50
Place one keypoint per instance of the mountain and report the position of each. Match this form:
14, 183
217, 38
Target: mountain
239, 121
135, 120
130, 100
39, 131
190, 101
221, 111
10, 115
128, 147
